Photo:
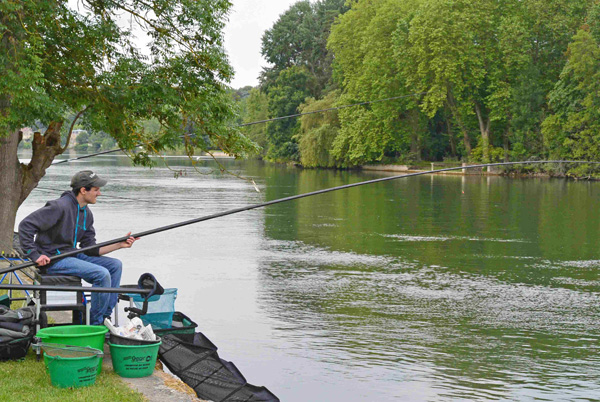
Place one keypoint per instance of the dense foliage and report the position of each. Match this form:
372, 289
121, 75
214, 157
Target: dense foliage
573, 128
489, 80
300, 67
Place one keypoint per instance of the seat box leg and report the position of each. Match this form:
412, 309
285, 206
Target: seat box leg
88, 307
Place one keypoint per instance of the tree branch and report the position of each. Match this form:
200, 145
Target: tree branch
71, 128
180, 38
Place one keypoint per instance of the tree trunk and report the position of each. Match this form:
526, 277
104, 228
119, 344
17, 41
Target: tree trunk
506, 142
10, 188
461, 126
415, 145
463, 130
450, 134
17, 180
484, 128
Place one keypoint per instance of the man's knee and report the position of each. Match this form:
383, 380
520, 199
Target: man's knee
101, 277
114, 265
118, 265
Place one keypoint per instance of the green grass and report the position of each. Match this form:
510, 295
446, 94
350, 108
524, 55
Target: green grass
27, 380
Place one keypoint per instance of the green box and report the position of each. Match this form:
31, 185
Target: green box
5, 300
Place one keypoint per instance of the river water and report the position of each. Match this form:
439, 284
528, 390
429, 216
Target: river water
421, 289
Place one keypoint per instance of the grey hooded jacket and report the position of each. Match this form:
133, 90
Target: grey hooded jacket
57, 227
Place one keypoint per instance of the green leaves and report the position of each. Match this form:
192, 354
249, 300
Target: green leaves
284, 96
256, 110
67, 59
573, 130
364, 45
318, 131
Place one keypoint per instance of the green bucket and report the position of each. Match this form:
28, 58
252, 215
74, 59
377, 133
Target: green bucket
74, 367
76, 335
133, 361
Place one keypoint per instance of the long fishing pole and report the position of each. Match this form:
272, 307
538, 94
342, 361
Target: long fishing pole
280, 200
88, 156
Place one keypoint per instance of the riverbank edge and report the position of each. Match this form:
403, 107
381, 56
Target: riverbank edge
487, 171
436, 166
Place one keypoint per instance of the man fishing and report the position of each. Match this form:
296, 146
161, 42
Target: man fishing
63, 223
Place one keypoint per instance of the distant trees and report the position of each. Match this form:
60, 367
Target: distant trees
256, 108
362, 41
300, 67
97, 141
573, 127
482, 81
318, 132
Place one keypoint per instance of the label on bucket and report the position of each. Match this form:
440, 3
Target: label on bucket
137, 362
87, 375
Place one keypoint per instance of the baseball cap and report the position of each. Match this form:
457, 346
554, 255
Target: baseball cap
87, 178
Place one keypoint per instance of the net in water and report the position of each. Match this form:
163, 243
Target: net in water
196, 361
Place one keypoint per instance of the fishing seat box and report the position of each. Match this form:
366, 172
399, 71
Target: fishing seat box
80, 308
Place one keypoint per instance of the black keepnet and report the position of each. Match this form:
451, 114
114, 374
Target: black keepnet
198, 364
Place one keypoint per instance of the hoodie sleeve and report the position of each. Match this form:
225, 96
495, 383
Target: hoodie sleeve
89, 237
40, 220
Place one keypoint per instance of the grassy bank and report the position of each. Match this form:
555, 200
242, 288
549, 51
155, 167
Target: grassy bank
27, 380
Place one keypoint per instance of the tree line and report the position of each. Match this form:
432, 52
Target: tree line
485, 81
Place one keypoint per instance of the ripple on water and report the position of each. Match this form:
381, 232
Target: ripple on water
403, 318
402, 237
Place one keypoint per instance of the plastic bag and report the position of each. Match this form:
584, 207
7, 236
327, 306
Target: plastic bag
133, 329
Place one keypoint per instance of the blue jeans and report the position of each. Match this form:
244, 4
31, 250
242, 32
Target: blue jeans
98, 271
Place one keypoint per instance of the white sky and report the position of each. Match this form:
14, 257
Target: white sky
248, 20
